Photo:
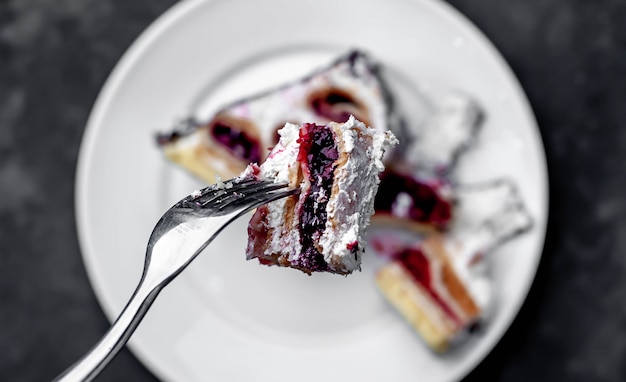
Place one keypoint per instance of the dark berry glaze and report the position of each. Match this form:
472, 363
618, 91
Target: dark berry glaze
428, 205
415, 261
237, 142
332, 106
336, 105
318, 155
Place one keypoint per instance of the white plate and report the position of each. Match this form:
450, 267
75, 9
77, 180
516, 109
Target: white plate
228, 319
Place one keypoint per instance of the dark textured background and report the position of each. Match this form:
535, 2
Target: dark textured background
570, 56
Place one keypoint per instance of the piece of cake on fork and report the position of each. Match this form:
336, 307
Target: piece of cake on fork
336, 166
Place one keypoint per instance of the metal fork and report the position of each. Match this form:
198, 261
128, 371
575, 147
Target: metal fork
178, 237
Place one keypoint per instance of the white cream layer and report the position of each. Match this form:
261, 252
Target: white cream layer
350, 209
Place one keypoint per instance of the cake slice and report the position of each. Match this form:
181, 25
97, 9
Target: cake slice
242, 132
336, 166
424, 284
441, 285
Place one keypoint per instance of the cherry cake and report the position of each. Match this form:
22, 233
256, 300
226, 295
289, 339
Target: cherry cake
441, 285
244, 131
337, 167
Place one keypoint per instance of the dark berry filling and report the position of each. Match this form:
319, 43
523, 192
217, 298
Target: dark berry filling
353, 246
417, 264
239, 143
427, 204
318, 154
335, 105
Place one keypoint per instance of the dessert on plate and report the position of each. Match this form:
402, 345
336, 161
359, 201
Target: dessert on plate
423, 283
244, 131
441, 285
437, 274
336, 166
435, 234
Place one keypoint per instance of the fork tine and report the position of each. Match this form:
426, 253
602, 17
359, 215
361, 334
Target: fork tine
256, 189
237, 191
248, 195
210, 193
257, 198
234, 191
227, 186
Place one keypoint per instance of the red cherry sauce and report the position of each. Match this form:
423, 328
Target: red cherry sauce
417, 264
353, 246
318, 154
237, 142
428, 205
333, 105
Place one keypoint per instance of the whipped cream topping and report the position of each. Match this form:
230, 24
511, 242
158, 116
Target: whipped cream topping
447, 132
486, 215
401, 206
493, 212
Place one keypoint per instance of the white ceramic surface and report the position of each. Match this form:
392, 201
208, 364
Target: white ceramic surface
225, 319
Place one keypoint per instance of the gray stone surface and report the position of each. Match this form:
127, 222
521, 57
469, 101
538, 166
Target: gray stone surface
570, 56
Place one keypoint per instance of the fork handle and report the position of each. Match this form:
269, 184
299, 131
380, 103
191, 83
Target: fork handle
90, 365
